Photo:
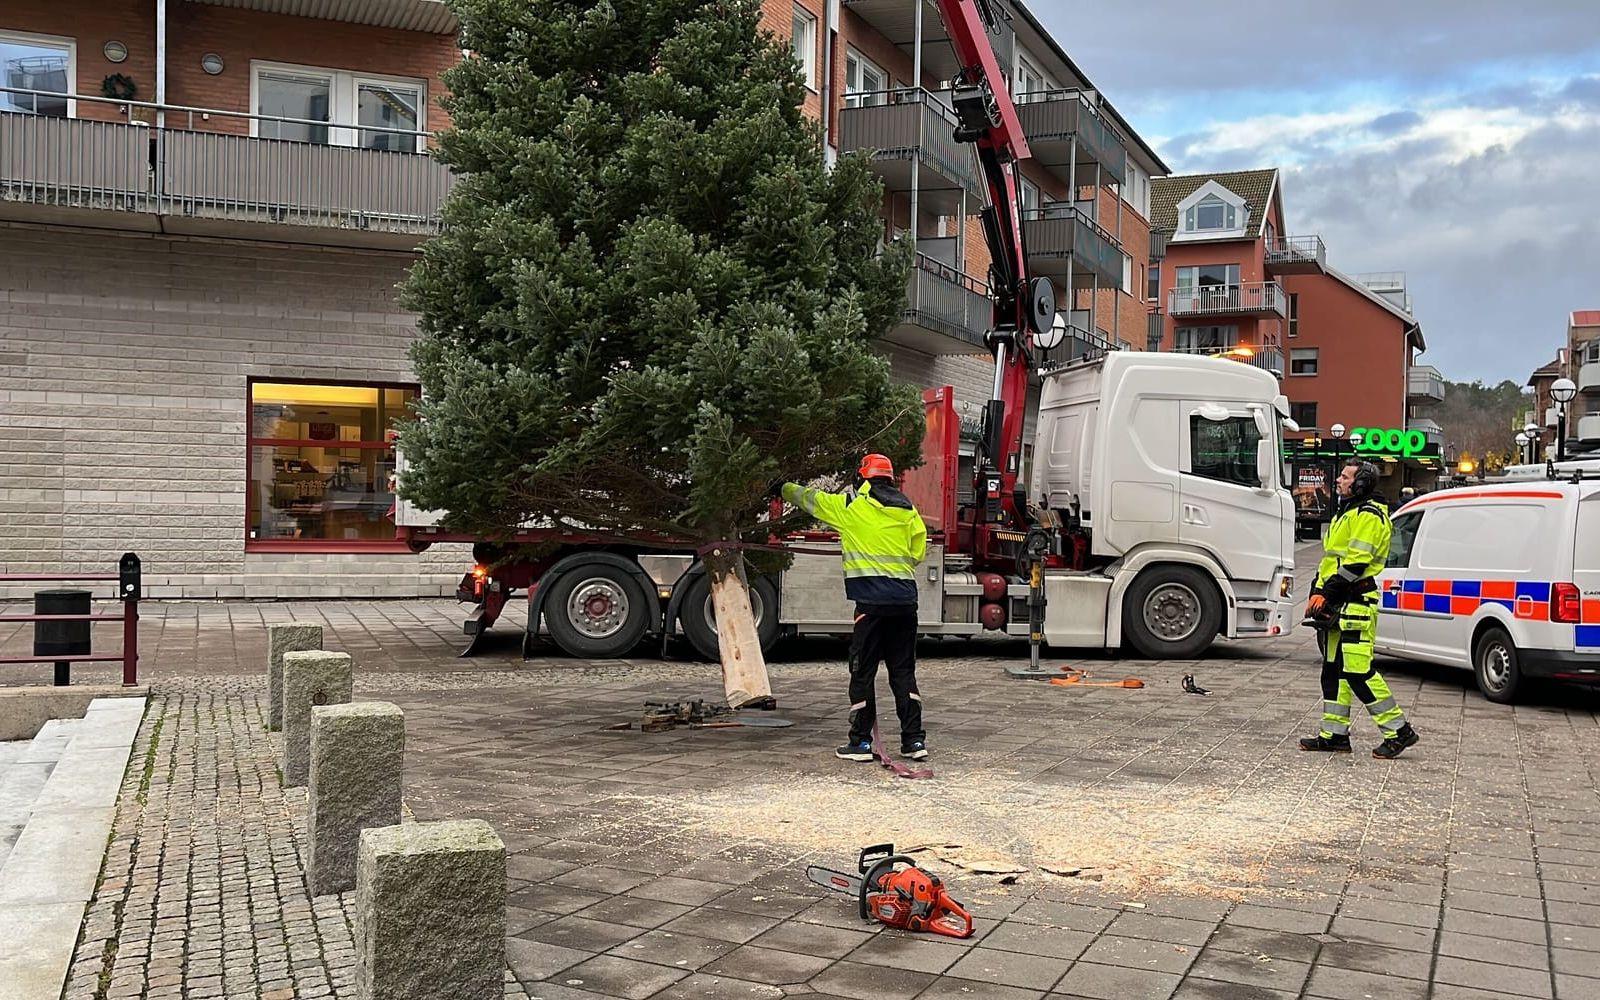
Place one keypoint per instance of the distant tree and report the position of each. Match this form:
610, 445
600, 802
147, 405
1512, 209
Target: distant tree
1480, 420
650, 298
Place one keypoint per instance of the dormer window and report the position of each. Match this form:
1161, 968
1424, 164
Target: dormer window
1211, 213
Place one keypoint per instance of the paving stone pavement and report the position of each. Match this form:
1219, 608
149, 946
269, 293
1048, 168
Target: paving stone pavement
1215, 860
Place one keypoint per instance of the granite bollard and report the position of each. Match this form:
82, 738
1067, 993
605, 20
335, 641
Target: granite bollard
284, 638
430, 917
357, 758
310, 678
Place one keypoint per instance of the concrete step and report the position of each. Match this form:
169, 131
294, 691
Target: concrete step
30, 763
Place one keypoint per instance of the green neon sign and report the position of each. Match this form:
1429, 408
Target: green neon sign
1389, 441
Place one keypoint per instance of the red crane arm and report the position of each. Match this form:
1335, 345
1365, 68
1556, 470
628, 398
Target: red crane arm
1022, 307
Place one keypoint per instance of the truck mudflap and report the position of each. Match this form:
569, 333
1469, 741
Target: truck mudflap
490, 596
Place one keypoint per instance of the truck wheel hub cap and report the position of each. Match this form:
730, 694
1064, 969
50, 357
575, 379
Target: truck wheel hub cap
598, 608
1172, 612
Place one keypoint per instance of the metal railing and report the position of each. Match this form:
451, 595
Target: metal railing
1158, 245
224, 175
127, 577
1060, 230
1229, 300
946, 300
1058, 115
905, 123
1588, 379
1155, 330
1425, 383
1289, 250
1266, 356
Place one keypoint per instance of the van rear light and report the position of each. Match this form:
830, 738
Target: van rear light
1565, 606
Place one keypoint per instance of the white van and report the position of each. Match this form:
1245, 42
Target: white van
1504, 579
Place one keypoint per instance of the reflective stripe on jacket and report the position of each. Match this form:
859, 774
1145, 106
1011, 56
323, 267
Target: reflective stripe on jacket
1357, 546
881, 539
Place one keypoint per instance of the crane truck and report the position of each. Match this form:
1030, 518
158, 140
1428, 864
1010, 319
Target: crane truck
1155, 514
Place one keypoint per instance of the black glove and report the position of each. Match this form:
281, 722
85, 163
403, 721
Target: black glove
1336, 589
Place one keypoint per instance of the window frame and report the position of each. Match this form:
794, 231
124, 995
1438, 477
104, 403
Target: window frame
1027, 63
852, 98
1152, 283
1293, 322
1316, 361
1196, 421
312, 546
1305, 425
1399, 523
50, 41
344, 93
808, 63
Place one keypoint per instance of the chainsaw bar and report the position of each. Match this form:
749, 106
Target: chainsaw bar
850, 885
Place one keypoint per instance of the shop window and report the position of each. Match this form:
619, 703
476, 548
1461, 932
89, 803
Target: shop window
39, 63
321, 464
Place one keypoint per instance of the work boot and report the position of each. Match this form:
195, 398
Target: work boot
855, 750
1396, 745
915, 750
1326, 744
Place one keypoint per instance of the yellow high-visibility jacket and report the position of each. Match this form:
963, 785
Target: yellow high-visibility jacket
1356, 549
881, 537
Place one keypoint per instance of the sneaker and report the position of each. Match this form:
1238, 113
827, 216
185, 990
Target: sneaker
1396, 745
853, 750
1326, 744
914, 751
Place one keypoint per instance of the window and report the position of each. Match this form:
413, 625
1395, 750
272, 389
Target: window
1029, 191
1294, 314
1303, 361
1402, 538
1304, 414
1030, 79
38, 62
1209, 276
1137, 193
805, 44
376, 104
1205, 339
320, 464
864, 82
1152, 283
1224, 450
1127, 275
1211, 212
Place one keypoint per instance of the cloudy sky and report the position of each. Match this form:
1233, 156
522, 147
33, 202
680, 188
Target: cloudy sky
1455, 140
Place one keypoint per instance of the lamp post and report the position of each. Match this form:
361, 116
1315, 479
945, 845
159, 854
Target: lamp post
1337, 430
1532, 430
1522, 445
1563, 391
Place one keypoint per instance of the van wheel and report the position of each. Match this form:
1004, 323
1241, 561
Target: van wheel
1494, 664
598, 611
699, 616
1171, 613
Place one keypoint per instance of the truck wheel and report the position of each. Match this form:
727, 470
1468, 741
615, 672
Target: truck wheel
1171, 613
597, 611
699, 617
1494, 664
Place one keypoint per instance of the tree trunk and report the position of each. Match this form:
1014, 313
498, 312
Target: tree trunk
744, 669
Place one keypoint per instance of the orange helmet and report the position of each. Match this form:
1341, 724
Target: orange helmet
875, 465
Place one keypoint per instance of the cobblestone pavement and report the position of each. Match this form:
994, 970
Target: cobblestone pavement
1168, 845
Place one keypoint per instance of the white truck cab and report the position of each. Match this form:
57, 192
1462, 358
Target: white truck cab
1503, 579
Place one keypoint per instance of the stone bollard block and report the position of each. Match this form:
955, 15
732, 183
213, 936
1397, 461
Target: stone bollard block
282, 639
357, 757
430, 918
310, 678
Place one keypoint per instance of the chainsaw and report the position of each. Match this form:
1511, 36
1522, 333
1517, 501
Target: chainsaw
891, 889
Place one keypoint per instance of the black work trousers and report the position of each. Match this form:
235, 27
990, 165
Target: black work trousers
890, 639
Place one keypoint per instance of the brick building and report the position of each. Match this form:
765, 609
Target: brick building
1232, 283
1583, 363
205, 206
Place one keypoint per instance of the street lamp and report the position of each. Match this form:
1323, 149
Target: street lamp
1337, 430
1563, 391
1522, 445
1532, 430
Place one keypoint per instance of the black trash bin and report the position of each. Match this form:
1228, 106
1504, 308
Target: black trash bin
52, 639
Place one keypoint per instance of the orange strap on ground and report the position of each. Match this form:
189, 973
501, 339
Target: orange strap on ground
1080, 678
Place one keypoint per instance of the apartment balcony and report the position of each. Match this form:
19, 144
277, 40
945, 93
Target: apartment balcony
1267, 356
896, 20
1587, 428
1297, 255
1429, 428
1424, 382
907, 126
1589, 377
1250, 298
947, 311
1064, 132
1063, 241
1155, 330
412, 15
1158, 246
175, 179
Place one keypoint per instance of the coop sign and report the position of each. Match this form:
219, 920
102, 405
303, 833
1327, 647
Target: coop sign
1390, 441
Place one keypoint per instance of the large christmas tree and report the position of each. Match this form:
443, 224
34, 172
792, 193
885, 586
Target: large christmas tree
651, 298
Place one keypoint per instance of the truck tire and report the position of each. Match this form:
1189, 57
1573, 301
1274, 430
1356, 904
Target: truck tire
1495, 665
1171, 612
699, 619
597, 611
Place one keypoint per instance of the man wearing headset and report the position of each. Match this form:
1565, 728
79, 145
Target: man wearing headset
1344, 602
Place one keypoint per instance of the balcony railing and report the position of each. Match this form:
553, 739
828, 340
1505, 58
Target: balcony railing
943, 300
1244, 299
1425, 383
1297, 255
1266, 356
1155, 330
189, 175
905, 125
1587, 428
1430, 428
1158, 246
1053, 119
1058, 234
1589, 377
